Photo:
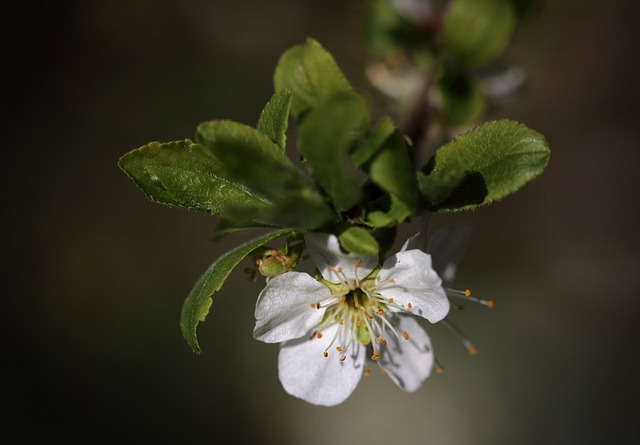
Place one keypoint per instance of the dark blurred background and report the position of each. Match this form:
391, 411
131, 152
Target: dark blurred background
91, 349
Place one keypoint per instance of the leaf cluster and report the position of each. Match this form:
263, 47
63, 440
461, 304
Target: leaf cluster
356, 179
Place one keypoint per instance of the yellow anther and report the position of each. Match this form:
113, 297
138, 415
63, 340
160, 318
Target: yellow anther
339, 348
367, 373
341, 299
383, 371
379, 339
467, 293
439, 368
313, 306
384, 343
340, 322
409, 305
380, 312
358, 263
342, 358
318, 306
473, 350
339, 269
405, 335
375, 357
358, 322
319, 335
489, 304
390, 300
326, 354
391, 280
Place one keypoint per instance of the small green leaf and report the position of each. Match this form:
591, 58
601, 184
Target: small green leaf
197, 304
325, 138
372, 142
392, 171
311, 74
184, 174
359, 241
483, 165
477, 31
462, 98
253, 159
274, 118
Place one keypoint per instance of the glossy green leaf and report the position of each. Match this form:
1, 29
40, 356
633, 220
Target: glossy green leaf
483, 165
198, 302
325, 138
477, 31
311, 74
359, 241
274, 118
253, 159
184, 174
391, 170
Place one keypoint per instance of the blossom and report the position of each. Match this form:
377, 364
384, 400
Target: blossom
325, 325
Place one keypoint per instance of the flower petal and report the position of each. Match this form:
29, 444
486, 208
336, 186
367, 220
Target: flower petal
305, 373
283, 310
408, 278
408, 363
324, 249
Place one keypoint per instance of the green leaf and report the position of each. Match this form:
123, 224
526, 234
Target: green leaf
483, 165
184, 174
391, 170
372, 142
311, 74
253, 159
359, 241
197, 304
477, 31
274, 118
325, 138
462, 98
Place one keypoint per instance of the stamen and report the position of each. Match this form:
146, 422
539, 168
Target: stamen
375, 356
409, 305
379, 339
326, 354
318, 306
339, 348
319, 335
405, 335
313, 306
438, 367
390, 300
367, 373
466, 294
342, 358
471, 348
380, 312
340, 322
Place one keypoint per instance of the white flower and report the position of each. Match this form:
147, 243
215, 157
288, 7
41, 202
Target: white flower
326, 325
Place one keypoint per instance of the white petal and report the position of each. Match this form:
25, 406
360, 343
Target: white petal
407, 277
325, 251
408, 363
283, 310
305, 373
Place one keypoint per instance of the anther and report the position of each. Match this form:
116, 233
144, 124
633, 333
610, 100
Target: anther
313, 306
340, 322
342, 358
358, 263
339, 348
319, 335
380, 312
391, 280
409, 305
358, 322
405, 335
390, 300
379, 339
375, 356
473, 349
339, 269
326, 354
367, 373
318, 306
